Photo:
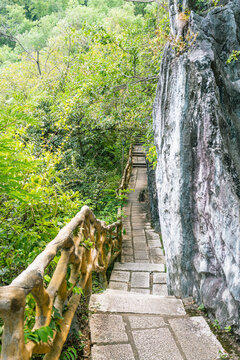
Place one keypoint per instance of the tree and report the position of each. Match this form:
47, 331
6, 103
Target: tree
84, 80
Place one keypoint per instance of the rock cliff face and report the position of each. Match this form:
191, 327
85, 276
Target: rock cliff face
197, 134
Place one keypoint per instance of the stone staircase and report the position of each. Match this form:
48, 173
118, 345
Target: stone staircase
139, 158
135, 319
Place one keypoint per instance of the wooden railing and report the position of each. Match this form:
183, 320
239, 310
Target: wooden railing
86, 244
126, 173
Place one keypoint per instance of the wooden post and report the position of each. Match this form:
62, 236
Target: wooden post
12, 306
88, 287
119, 231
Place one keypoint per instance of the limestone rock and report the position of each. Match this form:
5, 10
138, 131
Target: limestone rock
197, 134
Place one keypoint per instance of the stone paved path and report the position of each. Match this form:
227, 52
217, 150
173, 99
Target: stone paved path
135, 319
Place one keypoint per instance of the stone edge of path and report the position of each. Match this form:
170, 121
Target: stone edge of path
115, 301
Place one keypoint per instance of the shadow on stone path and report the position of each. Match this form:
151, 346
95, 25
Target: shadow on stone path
135, 319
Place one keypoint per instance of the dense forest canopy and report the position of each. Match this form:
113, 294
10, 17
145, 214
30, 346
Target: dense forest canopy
77, 82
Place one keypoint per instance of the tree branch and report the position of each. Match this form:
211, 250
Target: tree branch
15, 39
123, 86
144, 1
159, 2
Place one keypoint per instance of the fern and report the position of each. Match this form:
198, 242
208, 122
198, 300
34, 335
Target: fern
69, 354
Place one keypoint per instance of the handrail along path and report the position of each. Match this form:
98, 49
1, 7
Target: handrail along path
83, 260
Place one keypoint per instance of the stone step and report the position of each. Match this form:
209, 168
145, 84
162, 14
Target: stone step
145, 282
116, 301
134, 319
128, 266
151, 337
138, 153
139, 165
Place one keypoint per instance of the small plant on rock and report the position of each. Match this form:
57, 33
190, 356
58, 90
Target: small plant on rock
201, 307
223, 355
202, 6
234, 56
182, 44
214, 2
216, 325
228, 329
184, 16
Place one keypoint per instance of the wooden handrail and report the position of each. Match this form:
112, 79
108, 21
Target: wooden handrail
86, 245
127, 172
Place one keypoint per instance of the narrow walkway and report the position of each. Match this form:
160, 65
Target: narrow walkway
135, 319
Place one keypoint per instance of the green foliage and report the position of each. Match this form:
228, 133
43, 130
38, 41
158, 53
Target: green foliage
223, 355
37, 37
47, 279
88, 244
150, 148
69, 354
202, 6
32, 215
234, 56
180, 44
96, 284
201, 307
29, 315
29, 321
216, 325
41, 8
76, 79
42, 334
228, 329
15, 18
152, 156
56, 319
77, 290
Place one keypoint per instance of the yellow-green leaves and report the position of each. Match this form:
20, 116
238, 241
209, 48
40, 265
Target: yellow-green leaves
234, 56
152, 156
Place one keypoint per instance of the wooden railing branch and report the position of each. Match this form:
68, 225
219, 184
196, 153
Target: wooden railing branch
61, 336
126, 173
86, 245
